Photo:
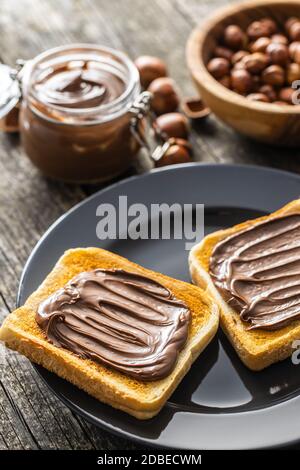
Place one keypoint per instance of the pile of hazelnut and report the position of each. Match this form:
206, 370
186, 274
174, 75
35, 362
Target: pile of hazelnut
170, 126
260, 63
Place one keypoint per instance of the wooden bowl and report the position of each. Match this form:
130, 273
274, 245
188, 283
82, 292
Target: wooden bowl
272, 123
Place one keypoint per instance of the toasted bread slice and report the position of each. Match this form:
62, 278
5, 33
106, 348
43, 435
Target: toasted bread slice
256, 348
140, 399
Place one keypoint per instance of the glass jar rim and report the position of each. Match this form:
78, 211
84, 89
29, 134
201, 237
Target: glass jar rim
108, 111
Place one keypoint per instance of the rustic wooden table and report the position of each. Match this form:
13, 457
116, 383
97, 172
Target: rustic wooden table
30, 416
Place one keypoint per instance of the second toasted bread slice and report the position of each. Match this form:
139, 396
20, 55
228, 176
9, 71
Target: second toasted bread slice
257, 348
140, 399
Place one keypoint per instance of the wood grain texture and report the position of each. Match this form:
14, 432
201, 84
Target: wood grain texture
30, 416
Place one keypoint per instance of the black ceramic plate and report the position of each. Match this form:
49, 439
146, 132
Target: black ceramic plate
220, 404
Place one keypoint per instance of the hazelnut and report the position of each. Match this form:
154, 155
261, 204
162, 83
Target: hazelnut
278, 53
150, 68
280, 39
223, 52
294, 51
258, 97
280, 103
261, 63
294, 31
292, 48
238, 56
234, 37
269, 91
286, 94
289, 23
218, 67
270, 24
273, 75
241, 81
260, 45
256, 83
172, 125
257, 29
178, 152
239, 65
256, 62
225, 81
165, 98
292, 72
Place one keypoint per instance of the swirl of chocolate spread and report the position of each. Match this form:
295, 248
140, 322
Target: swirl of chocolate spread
258, 271
120, 319
79, 84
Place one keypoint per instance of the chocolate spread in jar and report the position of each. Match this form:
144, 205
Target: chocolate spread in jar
75, 120
258, 271
120, 319
78, 85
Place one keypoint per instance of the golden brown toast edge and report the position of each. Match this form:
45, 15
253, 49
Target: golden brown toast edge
256, 348
140, 399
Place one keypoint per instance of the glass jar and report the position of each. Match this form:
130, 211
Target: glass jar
75, 119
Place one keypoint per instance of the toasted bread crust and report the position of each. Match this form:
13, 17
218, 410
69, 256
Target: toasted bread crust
140, 399
256, 348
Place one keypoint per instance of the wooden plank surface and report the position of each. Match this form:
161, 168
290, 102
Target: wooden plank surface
30, 416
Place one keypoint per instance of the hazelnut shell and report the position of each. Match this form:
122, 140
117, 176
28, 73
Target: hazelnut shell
273, 75
172, 125
261, 44
292, 72
218, 67
150, 68
241, 81
294, 31
195, 108
278, 53
257, 29
256, 62
164, 95
178, 152
286, 94
234, 37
